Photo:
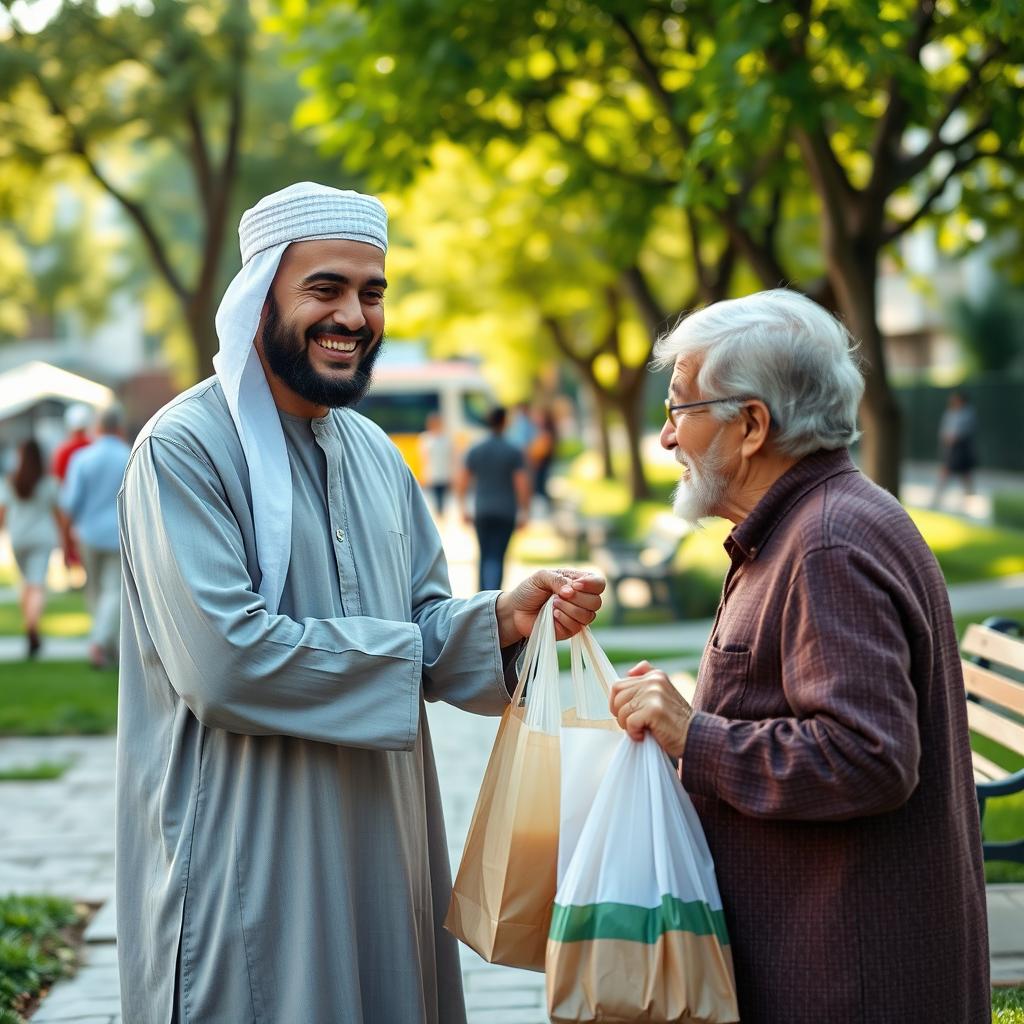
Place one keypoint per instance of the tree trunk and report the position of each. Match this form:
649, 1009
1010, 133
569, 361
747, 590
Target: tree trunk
203, 333
853, 279
602, 417
632, 406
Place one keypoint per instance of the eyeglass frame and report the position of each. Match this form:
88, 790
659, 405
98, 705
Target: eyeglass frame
670, 408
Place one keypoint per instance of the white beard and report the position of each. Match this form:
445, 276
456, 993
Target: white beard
704, 486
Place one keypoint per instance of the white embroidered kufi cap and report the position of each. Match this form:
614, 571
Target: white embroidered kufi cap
307, 211
299, 213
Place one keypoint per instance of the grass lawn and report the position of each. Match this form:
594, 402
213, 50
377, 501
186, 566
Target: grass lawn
1008, 1006
39, 936
42, 771
65, 615
57, 698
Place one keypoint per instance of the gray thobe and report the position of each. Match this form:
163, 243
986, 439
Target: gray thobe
281, 854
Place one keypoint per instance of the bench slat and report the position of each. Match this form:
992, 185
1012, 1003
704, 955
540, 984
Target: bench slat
993, 645
986, 770
985, 683
995, 727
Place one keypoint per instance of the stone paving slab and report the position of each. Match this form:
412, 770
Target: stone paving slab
103, 927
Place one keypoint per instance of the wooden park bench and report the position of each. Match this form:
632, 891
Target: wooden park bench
650, 563
993, 667
581, 533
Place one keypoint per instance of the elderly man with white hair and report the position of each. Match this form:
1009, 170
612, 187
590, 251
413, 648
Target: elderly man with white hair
281, 854
827, 749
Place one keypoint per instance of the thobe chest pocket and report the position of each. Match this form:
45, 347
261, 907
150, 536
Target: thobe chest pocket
722, 680
393, 585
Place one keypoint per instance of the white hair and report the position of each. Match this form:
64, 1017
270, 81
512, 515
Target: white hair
783, 348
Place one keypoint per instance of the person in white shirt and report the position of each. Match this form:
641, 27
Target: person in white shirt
436, 456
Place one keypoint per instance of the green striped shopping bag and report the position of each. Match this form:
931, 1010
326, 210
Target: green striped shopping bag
638, 931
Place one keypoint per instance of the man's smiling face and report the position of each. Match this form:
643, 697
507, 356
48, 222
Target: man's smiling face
323, 324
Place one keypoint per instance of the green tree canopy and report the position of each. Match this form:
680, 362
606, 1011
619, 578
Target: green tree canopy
748, 118
179, 111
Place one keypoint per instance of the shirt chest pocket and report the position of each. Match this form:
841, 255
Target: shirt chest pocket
393, 571
722, 680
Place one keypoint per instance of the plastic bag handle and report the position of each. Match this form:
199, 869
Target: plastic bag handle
542, 697
592, 676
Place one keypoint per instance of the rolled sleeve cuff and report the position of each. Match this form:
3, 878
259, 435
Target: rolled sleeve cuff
413, 680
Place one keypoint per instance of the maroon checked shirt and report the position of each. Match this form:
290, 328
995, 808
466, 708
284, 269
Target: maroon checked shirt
828, 758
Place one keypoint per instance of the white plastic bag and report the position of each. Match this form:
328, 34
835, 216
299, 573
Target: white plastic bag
638, 931
589, 738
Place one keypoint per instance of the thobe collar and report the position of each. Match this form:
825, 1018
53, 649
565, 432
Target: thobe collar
748, 538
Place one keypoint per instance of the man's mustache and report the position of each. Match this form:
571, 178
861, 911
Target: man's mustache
363, 334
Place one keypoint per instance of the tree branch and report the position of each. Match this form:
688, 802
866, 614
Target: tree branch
614, 170
639, 290
700, 267
216, 196
910, 166
77, 145
561, 339
649, 73
200, 156
892, 124
896, 229
610, 341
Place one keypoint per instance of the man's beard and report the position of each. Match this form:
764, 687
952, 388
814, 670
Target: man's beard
288, 357
705, 485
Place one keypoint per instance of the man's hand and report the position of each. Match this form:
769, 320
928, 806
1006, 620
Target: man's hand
577, 599
647, 700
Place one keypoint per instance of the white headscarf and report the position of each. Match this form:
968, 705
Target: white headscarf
298, 213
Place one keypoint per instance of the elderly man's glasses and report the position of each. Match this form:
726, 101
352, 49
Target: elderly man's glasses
672, 410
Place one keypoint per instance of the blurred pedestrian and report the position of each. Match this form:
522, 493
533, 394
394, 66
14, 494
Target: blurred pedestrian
827, 749
541, 452
520, 429
496, 472
956, 444
436, 459
89, 499
29, 508
77, 420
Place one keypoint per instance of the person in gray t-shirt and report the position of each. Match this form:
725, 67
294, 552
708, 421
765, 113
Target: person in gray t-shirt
496, 471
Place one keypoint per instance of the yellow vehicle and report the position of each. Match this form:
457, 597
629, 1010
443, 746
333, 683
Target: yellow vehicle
407, 387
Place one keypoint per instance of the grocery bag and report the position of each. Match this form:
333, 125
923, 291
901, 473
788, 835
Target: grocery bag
638, 932
505, 886
589, 738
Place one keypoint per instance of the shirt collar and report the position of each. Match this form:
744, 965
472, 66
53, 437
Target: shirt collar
748, 538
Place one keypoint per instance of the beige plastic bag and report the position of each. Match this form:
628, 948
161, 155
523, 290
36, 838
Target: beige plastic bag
505, 887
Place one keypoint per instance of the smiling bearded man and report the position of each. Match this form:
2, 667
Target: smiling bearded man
281, 853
